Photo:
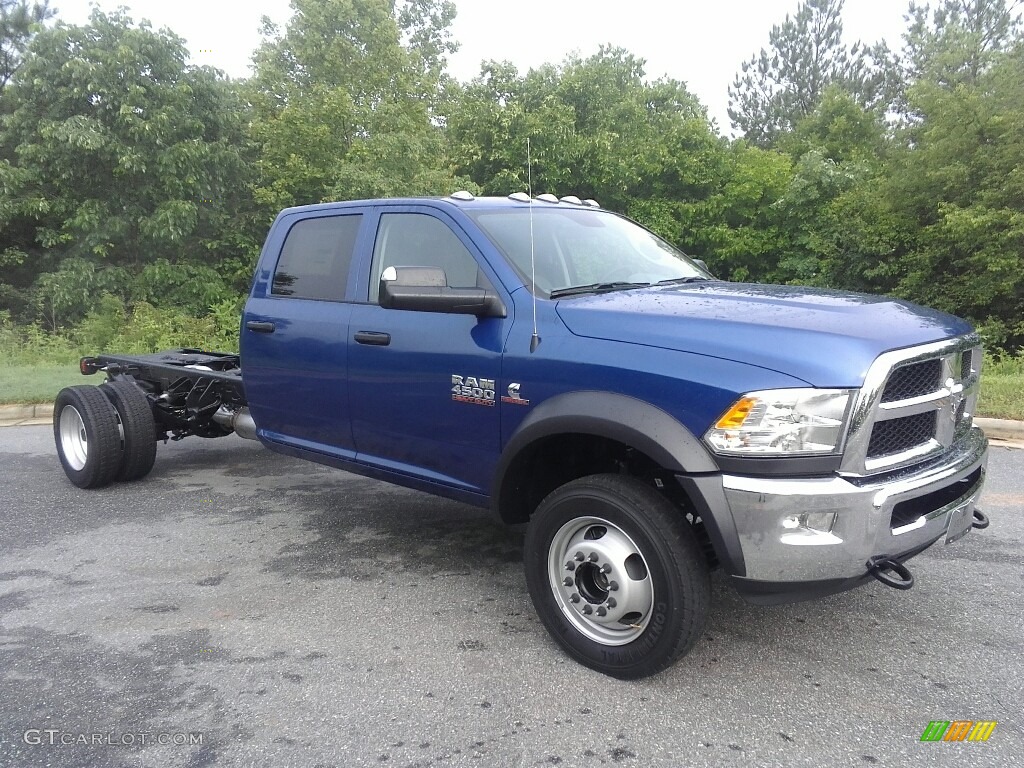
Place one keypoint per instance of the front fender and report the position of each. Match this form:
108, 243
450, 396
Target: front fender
646, 428
627, 420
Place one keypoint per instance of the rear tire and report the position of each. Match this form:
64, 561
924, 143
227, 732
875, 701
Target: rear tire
88, 440
137, 426
617, 575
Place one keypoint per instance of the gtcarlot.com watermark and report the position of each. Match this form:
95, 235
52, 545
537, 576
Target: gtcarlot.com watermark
55, 737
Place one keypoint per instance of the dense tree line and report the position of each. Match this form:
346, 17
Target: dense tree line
127, 172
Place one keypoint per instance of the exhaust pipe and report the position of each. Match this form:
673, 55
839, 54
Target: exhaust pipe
891, 572
239, 421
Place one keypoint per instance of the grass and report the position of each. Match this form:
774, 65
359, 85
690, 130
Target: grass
1002, 389
1002, 385
38, 383
1002, 397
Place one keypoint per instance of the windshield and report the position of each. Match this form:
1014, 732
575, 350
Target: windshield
577, 247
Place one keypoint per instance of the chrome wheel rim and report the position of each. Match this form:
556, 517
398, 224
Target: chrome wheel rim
73, 439
600, 580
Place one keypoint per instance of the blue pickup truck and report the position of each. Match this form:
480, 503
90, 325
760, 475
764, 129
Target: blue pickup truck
567, 368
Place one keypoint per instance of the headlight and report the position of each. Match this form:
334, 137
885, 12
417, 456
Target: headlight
782, 422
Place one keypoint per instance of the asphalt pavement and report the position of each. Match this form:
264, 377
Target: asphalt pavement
237, 608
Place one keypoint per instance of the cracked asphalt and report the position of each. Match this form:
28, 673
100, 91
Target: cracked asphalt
287, 614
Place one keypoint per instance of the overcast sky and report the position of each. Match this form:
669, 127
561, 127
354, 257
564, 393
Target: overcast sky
701, 43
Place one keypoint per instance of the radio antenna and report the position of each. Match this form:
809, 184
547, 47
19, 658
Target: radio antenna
535, 339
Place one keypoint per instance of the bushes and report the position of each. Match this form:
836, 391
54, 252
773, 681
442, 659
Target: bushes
64, 297
112, 327
30, 345
142, 328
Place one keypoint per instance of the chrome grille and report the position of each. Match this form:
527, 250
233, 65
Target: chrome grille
898, 435
914, 404
913, 380
966, 364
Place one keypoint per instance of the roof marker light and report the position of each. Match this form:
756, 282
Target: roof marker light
462, 194
519, 197
572, 199
592, 203
547, 198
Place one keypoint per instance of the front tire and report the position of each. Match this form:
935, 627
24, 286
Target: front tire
88, 440
617, 575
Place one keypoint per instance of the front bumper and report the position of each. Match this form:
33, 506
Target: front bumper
786, 557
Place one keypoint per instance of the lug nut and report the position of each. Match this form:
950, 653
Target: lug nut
592, 557
567, 581
587, 610
574, 598
570, 566
611, 602
602, 611
606, 568
579, 557
613, 586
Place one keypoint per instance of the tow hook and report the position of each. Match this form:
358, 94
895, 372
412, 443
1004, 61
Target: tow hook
980, 520
891, 572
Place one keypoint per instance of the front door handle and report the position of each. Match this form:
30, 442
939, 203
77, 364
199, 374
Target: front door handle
259, 327
373, 338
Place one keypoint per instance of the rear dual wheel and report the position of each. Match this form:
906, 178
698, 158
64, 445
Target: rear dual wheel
617, 575
138, 429
85, 428
104, 433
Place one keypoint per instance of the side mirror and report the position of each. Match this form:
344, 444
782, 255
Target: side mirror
426, 289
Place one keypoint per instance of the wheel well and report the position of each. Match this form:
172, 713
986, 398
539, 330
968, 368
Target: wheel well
554, 460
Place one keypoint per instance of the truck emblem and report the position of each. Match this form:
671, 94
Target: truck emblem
513, 397
470, 389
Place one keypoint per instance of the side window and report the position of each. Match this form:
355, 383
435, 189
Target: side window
316, 257
419, 240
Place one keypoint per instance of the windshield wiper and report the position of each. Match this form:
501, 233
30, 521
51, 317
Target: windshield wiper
683, 280
594, 288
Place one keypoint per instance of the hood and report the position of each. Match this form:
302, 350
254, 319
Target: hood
826, 338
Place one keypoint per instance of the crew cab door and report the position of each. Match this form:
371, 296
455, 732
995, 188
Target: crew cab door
294, 337
422, 385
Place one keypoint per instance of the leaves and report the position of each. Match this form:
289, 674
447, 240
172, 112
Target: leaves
345, 102
126, 172
120, 154
779, 87
19, 21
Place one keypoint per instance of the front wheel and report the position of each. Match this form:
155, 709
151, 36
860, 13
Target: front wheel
616, 575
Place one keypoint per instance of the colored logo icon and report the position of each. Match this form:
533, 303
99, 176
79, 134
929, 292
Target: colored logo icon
958, 730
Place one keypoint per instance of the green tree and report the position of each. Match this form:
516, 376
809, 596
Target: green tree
487, 124
19, 21
840, 128
743, 237
785, 83
346, 101
959, 178
955, 42
120, 155
597, 129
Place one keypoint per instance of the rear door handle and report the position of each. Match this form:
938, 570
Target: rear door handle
259, 327
373, 338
